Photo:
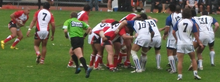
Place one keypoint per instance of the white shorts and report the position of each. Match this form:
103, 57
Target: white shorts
185, 49
93, 38
171, 43
142, 42
204, 38
156, 42
42, 35
212, 37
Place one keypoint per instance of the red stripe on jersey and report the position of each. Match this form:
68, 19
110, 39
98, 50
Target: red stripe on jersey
111, 34
36, 16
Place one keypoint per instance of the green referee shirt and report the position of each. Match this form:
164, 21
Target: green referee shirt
75, 27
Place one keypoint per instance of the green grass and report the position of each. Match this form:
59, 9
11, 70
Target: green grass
15, 64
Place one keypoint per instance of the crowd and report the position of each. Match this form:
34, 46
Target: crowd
116, 38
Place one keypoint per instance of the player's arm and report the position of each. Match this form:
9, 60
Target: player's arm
65, 27
123, 34
151, 31
87, 28
195, 33
102, 35
174, 31
123, 23
167, 27
216, 25
31, 25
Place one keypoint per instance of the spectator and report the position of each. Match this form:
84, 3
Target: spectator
217, 7
203, 4
94, 2
192, 4
164, 3
1, 3
141, 4
109, 6
155, 4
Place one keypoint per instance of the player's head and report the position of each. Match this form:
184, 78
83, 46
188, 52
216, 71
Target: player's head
178, 9
115, 22
73, 14
26, 10
86, 7
172, 7
143, 16
193, 12
187, 13
205, 13
46, 5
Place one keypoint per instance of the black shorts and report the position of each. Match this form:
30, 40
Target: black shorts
118, 40
211, 44
107, 42
139, 0
76, 42
12, 24
96, 40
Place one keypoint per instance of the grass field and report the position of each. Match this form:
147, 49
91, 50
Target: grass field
19, 65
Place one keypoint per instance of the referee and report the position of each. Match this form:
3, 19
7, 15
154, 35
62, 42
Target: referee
75, 29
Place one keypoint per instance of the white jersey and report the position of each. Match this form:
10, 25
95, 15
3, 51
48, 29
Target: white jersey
185, 28
142, 28
154, 27
203, 25
171, 21
192, 2
44, 17
100, 27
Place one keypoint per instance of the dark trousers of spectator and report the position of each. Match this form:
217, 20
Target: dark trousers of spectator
1, 2
154, 6
39, 4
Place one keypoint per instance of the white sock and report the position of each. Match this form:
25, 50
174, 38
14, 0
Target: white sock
158, 59
176, 58
136, 60
172, 63
195, 73
197, 10
143, 61
124, 58
212, 55
180, 75
200, 63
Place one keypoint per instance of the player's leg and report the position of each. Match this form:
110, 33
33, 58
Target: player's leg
44, 50
128, 51
212, 53
99, 55
13, 30
180, 65
18, 39
117, 47
143, 58
194, 64
70, 64
110, 51
171, 60
135, 58
93, 55
158, 57
37, 49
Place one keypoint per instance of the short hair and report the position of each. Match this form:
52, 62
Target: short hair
193, 12
178, 8
205, 13
172, 7
46, 5
73, 14
86, 7
143, 16
115, 22
186, 13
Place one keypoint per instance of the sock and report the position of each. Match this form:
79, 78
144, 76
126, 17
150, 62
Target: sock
136, 60
197, 10
111, 67
37, 53
195, 73
101, 61
16, 42
176, 58
200, 63
119, 58
143, 61
212, 55
92, 59
8, 38
124, 58
172, 63
97, 60
83, 62
75, 59
115, 60
158, 59
70, 63
180, 75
